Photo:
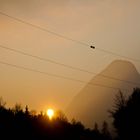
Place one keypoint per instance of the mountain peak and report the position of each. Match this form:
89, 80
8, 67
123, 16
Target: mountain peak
123, 63
90, 105
121, 68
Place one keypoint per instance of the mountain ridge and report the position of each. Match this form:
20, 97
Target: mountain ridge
91, 104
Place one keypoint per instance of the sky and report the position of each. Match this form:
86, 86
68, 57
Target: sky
113, 25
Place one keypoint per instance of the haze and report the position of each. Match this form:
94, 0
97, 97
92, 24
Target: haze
113, 25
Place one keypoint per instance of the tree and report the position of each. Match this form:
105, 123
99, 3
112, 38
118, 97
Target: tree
2, 103
96, 129
26, 110
126, 115
105, 131
61, 116
17, 108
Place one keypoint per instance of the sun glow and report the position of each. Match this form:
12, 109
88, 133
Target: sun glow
50, 113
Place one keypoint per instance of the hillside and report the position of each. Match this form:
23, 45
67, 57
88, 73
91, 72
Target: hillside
93, 102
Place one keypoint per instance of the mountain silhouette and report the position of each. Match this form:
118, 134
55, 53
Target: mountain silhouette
93, 102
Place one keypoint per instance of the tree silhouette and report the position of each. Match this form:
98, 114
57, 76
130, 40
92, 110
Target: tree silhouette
17, 123
126, 115
96, 127
2, 102
105, 131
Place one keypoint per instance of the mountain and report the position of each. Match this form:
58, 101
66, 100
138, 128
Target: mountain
93, 102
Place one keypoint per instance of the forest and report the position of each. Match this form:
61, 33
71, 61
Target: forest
19, 123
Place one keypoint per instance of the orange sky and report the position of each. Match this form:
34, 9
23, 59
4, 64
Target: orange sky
112, 25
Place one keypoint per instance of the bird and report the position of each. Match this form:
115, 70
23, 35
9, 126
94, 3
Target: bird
93, 47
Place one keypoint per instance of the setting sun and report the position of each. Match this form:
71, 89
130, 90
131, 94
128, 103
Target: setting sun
50, 113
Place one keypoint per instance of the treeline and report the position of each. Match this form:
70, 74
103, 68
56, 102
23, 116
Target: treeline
21, 124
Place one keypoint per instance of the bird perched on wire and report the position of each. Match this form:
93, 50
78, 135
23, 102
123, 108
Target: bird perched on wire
93, 47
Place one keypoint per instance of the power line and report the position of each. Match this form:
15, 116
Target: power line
66, 38
57, 76
113, 53
64, 65
44, 29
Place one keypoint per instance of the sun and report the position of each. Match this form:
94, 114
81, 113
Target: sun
50, 113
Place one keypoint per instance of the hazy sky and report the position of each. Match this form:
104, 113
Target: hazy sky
113, 25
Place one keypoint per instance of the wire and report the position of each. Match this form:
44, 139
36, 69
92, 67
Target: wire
64, 65
44, 29
66, 38
57, 76
113, 53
